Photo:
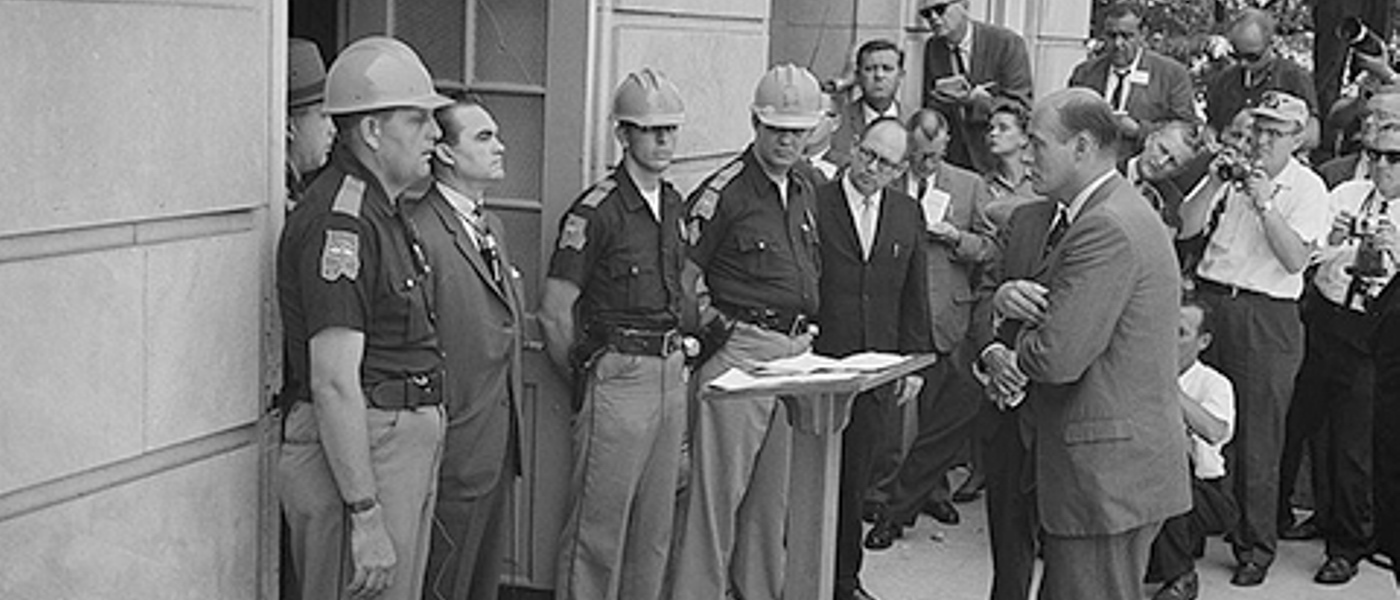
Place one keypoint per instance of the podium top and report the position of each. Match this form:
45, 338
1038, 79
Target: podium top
764, 380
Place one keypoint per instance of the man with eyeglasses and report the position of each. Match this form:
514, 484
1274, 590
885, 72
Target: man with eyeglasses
1259, 227
872, 287
1146, 89
1258, 69
879, 74
1334, 387
958, 240
968, 64
752, 233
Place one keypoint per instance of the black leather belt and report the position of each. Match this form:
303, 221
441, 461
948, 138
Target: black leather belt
784, 321
408, 393
1233, 291
643, 342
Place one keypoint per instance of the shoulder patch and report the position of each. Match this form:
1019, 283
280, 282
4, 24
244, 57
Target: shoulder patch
341, 255
600, 190
723, 177
349, 197
704, 206
574, 234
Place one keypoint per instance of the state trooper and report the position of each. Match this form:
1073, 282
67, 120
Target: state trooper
357, 469
753, 237
309, 129
617, 265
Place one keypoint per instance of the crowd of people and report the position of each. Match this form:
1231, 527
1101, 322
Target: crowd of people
1144, 316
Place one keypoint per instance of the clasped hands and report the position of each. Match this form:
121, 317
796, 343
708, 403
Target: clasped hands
1022, 300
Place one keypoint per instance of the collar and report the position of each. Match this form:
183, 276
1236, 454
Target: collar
1132, 66
870, 115
966, 44
464, 205
1072, 211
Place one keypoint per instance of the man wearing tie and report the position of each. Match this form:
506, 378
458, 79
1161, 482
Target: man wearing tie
967, 64
879, 73
958, 238
1145, 89
477, 301
872, 283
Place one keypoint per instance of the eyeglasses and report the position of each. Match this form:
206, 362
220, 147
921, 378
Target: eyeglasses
937, 9
867, 155
1270, 132
1378, 156
1247, 57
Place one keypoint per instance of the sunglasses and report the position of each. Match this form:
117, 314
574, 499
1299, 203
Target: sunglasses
1389, 157
937, 9
1247, 57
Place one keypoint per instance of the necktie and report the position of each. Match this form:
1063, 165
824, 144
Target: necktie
1057, 232
959, 67
1120, 89
866, 227
485, 240
923, 188
1215, 215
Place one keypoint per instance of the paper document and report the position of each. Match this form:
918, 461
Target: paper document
804, 367
935, 203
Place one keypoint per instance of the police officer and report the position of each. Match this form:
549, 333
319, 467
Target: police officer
364, 428
753, 236
618, 263
309, 129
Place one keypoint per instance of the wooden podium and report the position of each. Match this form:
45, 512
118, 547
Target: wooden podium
818, 411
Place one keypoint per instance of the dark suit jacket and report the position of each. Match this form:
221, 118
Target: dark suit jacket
1339, 169
866, 305
998, 55
1110, 448
951, 289
1167, 96
480, 327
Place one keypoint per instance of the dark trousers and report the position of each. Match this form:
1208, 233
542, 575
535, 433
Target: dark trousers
1183, 537
466, 559
1386, 432
1259, 346
1100, 567
1011, 511
868, 416
1331, 411
948, 403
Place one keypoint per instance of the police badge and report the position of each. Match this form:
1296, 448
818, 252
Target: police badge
575, 233
341, 255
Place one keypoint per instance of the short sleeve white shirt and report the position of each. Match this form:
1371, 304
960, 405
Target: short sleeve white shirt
1216, 394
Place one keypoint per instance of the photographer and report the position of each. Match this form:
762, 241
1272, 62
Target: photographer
1335, 392
1259, 214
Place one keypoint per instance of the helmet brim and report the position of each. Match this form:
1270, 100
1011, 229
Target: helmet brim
786, 121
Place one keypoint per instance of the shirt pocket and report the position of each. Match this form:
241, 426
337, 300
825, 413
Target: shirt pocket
756, 252
630, 278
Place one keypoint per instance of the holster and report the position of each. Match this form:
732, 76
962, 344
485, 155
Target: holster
582, 357
713, 336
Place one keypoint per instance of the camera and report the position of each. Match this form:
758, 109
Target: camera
1359, 37
1233, 166
1370, 258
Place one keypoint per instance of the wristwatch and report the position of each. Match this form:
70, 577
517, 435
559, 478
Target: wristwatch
363, 505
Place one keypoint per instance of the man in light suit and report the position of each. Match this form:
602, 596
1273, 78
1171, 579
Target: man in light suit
872, 283
1145, 89
968, 64
879, 73
1098, 349
958, 240
477, 300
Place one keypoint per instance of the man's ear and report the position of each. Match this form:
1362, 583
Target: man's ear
1206, 339
444, 154
370, 131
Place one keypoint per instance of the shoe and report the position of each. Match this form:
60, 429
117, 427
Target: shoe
942, 511
1248, 574
1335, 571
1185, 587
883, 535
1301, 530
970, 490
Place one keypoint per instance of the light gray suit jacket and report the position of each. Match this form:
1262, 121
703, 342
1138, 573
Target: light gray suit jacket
1109, 440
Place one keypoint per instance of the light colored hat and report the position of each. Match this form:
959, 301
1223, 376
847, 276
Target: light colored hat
1281, 106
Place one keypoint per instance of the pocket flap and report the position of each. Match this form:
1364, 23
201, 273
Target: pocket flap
1089, 432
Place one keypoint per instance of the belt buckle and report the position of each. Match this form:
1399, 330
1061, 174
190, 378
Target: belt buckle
670, 342
799, 325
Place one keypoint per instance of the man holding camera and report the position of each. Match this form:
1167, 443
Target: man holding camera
1335, 382
1260, 218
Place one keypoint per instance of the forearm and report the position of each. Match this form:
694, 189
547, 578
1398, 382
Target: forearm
557, 321
1285, 243
1196, 208
1200, 421
341, 413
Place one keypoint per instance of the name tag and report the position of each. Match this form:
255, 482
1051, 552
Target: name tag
1138, 77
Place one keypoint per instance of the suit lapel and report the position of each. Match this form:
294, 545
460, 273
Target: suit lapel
464, 243
1091, 204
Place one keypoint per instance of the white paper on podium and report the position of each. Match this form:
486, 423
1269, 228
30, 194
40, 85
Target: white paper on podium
806, 367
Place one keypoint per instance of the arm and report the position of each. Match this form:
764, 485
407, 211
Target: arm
557, 321
1286, 244
335, 355
913, 303
978, 243
1200, 421
1195, 209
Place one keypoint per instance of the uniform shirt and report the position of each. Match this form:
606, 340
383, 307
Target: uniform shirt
755, 253
1215, 393
347, 259
626, 264
1237, 252
1332, 279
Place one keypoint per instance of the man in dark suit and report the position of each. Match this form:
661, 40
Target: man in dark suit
1145, 88
958, 239
879, 73
967, 64
872, 284
1098, 350
477, 302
